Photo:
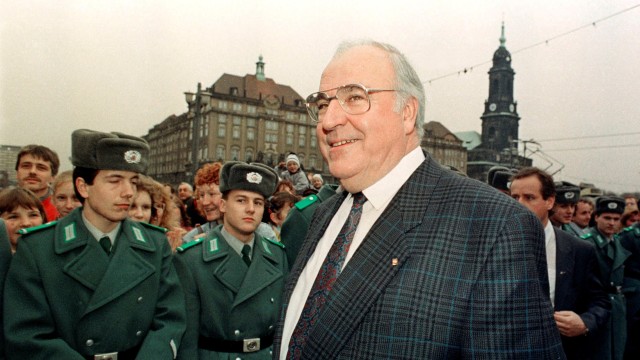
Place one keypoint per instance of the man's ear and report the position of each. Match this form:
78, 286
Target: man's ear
410, 114
81, 185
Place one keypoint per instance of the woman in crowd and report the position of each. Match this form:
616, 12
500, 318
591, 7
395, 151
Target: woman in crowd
20, 209
278, 208
64, 196
153, 205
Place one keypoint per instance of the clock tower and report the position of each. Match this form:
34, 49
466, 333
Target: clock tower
500, 117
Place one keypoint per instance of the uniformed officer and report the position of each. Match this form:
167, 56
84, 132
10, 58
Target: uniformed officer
499, 177
5, 260
96, 285
295, 226
233, 277
567, 196
630, 240
611, 258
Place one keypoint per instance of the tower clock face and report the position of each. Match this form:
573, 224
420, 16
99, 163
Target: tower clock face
272, 102
492, 107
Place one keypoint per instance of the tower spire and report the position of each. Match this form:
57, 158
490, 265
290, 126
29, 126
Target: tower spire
502, 38
260, 69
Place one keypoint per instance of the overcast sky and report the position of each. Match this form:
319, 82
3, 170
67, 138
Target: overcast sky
124, 65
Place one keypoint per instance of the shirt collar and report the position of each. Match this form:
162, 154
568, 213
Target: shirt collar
384, 189
99, 234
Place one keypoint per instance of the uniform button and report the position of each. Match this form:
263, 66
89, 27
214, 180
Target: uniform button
238, 358
273, 300
89, 342
140, 299
270, 327
236, 333
138, 333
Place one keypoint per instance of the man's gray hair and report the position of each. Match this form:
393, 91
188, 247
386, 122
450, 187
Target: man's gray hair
407, 81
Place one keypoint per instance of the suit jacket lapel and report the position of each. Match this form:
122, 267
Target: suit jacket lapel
319, 224
381, 255
565, 264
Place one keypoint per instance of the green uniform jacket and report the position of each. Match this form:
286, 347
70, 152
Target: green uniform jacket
66, 299
225, 299
5, 260
295, 226
612, 337
630, 240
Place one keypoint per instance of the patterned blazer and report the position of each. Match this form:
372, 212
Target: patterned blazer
452, 269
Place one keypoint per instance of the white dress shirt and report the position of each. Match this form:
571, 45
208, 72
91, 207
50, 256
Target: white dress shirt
379, 195
550, 246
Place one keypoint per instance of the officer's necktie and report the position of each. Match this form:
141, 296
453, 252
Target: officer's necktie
246, 251
105, 243
327, 276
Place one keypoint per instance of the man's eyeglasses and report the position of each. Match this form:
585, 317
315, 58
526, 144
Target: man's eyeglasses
354, 99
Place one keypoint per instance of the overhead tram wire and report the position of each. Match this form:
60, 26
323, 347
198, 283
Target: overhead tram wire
544, 42
590, 137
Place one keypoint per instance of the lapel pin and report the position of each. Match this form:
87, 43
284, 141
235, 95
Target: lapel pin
394, 262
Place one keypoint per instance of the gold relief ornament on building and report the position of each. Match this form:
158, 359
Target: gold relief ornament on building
271, 101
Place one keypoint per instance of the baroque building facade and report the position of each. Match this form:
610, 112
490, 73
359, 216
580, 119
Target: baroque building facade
444, 146
244, 118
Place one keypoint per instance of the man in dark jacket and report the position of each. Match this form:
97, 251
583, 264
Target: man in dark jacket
579, 299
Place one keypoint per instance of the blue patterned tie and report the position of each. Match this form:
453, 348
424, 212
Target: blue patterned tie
327, 275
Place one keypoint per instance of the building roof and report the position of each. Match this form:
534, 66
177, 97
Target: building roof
249, 86
470, 139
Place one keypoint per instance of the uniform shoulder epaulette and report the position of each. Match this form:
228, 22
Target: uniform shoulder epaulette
586, 236
38, 228
164, 230
627, 229
190, 244
304, 203
275, 242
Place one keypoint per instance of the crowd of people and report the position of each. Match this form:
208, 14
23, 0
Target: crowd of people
402, 259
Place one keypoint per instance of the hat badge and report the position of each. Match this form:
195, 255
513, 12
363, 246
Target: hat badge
569, 195
254, 178
612, 205
132, 156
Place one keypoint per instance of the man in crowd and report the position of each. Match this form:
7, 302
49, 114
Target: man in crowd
36, 168
630, 240
582, 215
233, 277
185, 193
611, 259
421, 275
96, 285
580, 302
564, 207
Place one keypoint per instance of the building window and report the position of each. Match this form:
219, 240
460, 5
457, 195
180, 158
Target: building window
289, 139
312, 162
303, 130
251, 122
313, 141
248, 155
301, 140
222, 130
220, 152
301, 157
303, 118
271, 138
251, 134
237, 120
222, 105
251, 109
272, 125
222, 118
235, 153
236, 132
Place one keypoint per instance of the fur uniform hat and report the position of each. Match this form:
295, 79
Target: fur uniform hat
109, 151
256, 177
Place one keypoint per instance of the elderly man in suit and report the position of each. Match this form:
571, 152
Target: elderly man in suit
412, 261
580, 301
